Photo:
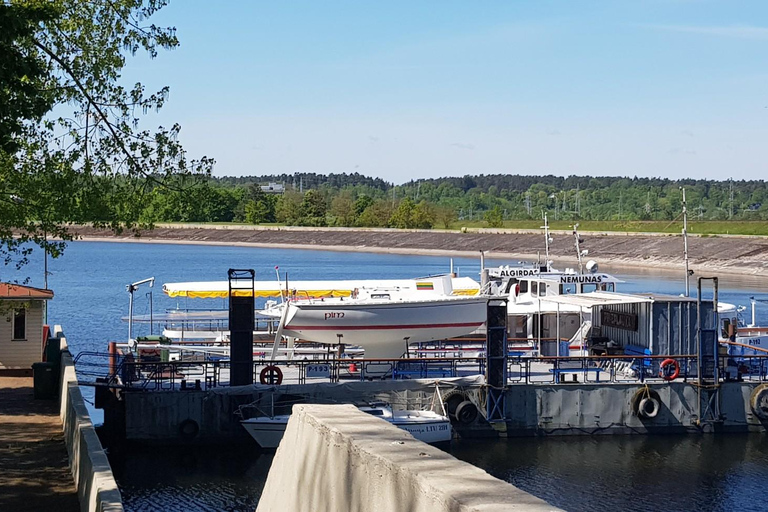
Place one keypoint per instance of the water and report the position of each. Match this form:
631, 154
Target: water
600, 473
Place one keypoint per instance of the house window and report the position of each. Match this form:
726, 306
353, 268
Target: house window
20, 324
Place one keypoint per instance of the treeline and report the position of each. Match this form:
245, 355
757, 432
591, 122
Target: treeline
355, 200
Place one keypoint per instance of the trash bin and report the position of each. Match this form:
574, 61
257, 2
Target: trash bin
53, 351
45, 379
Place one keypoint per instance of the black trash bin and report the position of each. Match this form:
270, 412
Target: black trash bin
53, 351
44, 377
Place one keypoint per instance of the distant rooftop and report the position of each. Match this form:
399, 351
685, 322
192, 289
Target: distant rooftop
18, 292
273, 188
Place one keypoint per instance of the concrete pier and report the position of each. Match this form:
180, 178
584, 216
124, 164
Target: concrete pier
34, 474
335, 457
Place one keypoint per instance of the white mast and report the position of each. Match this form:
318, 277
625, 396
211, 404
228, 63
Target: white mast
547, 241
685, 246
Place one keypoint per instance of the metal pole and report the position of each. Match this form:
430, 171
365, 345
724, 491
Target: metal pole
685, 246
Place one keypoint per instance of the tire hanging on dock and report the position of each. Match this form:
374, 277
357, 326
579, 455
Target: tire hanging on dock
646, 403
188, 429
758, 402
466, 412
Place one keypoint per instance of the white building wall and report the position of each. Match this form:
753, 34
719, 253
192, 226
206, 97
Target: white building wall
20, 354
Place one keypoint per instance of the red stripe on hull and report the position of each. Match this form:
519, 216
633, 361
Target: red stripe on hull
377, 327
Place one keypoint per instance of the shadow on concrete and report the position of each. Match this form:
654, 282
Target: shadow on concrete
34, 468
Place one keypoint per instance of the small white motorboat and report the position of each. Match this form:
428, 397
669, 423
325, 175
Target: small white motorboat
426, 426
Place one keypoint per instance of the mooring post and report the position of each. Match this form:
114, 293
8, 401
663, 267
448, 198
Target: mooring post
241, 325
496, 359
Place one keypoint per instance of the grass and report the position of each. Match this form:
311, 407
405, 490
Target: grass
735, 227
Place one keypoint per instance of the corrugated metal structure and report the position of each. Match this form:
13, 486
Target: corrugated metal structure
663, 324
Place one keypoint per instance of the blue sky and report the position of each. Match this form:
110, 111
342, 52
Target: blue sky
407, 90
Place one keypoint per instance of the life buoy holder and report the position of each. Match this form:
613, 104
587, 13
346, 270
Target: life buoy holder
271, 375
669, 369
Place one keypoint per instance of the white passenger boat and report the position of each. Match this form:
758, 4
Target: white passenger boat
426, 426
383, 320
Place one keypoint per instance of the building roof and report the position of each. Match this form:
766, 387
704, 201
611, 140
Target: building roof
592, 299
18, 292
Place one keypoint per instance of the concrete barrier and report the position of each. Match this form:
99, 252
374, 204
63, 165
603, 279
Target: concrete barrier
335, 457
96, 485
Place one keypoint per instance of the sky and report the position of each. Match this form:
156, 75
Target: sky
406, 90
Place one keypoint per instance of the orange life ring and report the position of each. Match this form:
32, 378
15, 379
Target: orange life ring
664, 372
271, 375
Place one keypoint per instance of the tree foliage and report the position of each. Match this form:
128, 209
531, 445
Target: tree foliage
74, 148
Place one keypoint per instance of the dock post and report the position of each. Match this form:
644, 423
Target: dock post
496, 359
241, 325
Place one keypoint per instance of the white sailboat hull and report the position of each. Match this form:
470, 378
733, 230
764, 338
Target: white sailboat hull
425, 426
382, 328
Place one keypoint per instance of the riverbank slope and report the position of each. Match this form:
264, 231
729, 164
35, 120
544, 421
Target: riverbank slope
745, 255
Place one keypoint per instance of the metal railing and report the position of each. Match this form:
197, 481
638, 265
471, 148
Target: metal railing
209, 374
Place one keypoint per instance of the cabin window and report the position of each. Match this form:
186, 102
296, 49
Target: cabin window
534, 287
588, 287
567, 288
523, 286
20, 324
375, 412
542, 289
383, 296
520, 326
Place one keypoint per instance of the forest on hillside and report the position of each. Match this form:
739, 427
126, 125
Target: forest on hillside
310, 199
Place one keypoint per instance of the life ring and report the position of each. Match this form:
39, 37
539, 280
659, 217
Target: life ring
648, 407
188, 429
665, 372
271, 375
759, 402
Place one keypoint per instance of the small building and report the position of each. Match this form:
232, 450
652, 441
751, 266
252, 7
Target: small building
662, 324
273, 188
21, 326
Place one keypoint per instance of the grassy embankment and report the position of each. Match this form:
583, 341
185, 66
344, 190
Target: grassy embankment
696, 228
735, 227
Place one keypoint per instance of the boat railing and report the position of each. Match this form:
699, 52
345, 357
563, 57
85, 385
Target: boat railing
618, 369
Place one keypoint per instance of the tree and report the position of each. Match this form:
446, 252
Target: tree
96, 162
313, 209
343, 209
494, 217
445, 216
376, 215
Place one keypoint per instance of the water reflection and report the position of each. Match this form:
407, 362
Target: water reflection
190, 478
706, 473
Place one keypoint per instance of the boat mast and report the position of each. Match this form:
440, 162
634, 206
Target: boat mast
579, 252
547, 241
685, 246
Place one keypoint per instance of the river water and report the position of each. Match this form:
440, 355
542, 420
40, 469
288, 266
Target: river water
596, 473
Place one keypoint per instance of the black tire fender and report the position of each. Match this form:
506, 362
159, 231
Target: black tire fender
466, 412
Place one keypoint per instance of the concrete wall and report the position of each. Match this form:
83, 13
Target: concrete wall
20, 354
96, 486
335, 457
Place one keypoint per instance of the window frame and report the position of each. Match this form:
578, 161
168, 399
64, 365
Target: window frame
15, 319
